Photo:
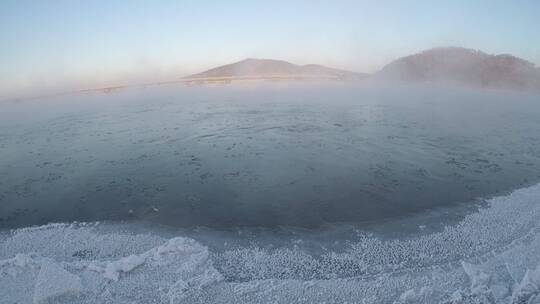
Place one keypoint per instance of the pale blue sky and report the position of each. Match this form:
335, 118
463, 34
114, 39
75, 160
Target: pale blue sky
68, 44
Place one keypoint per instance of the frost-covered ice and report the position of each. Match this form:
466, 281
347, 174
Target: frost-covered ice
491, 256
54, 283
87, 267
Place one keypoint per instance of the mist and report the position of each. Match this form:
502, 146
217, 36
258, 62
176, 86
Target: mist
262, 154
318, 181
270, 152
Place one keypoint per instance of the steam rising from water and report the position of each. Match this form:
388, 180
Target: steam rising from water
269, 155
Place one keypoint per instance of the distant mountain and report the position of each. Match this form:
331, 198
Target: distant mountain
274, 68
464, 66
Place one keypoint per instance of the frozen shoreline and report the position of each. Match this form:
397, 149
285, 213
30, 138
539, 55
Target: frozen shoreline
492, 256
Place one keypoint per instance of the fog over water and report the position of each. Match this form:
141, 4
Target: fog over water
274, 154
263, 192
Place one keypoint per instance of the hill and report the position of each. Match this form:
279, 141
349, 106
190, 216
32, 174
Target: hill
274, 68
464, 66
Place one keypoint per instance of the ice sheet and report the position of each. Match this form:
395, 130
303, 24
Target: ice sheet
492, 256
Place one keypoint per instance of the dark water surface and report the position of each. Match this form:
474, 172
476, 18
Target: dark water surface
297, 155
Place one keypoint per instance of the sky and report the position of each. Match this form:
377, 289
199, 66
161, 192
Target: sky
60, 44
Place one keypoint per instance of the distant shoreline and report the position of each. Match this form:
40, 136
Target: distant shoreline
195, 81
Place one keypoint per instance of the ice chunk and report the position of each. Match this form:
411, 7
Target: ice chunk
193, 255
20, 260
112, 270
408, 296
54, 283
479, 279
528, 290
